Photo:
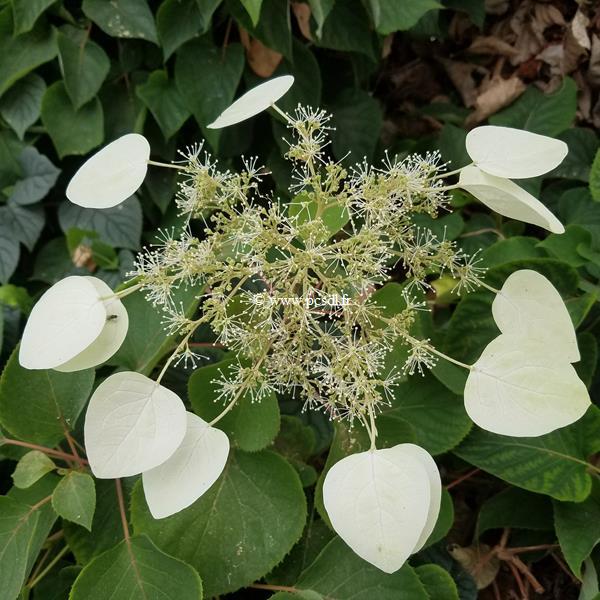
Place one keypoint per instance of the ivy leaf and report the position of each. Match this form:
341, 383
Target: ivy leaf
119, 226
21, 105
72, 131
200, 61
40, 175
136, 568
22, 53
554, 464
84, 64
547, 114
240, 529
122, 18
74, 498
39, 406
390, 16
578, 528
251, 426
33, 466
163, 99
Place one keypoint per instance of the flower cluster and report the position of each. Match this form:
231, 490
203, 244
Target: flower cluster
264, 270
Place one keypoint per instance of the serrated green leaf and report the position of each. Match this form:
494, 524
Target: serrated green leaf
39, 406
251, 426
84, 65
9, 253
566, 246
122, 18
240, 529
437, 582
136, 568
39, 177
33, 466
162, 97
24, 223
74, 499
583, 144
72, 131
511, 249
21, 105
555, 464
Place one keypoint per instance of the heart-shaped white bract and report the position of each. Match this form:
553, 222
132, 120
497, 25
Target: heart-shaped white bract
514, 153
112, 175
384, 503
64, 322
253, 101
132, 425
507, 198
189, 472
529, 305
519, 387
111, 337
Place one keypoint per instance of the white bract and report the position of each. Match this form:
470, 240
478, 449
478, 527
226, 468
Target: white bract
253, 101
132, 425
384, 503
514, 153
529, 305
111, 175
507, 198
78, 323
189, 472
520, 387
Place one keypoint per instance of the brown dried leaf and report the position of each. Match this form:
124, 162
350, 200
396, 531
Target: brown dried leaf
302, 13
489, 44
476, 561
496, 7
262, 60
579, 27
82, 257
498, 94
594, 65
461, 75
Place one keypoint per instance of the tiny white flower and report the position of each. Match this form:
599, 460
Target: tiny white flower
253, 101
520, 387
190, 472
384, 503
507, 198
132, 425
529, 305
111, 175
514, 153
77, 324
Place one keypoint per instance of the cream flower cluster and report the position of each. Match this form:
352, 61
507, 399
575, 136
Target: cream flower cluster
383, 503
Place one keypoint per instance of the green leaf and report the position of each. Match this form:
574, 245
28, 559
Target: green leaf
577, 207
84, 64
510, 249
21, 105
39, 406
554, 464
339, 573
253, 9
565, 246
200, 61
437, 582
578, 528
136, 568
240, 529
107, 528
251, 426
417, 399
122, 18
162, 97
72, 131
390, 16
451, 143
27, 12
74, 498
320, 10
22, 53
119, 226
147, 342
17, 530
595, 178
357, 119
9, 253
25, 224
39, 177
444, 521
33, 466
474, 8
515, 508
583, 144
178, 21
57, 584
541, 113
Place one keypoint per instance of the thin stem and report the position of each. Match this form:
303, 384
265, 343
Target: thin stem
373, 428
282, 113
49, 567
274, 588
206, 345
166, 165
484, 230
449, 358
50, 451
450, 173
122, 511
462, 478
489, 287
